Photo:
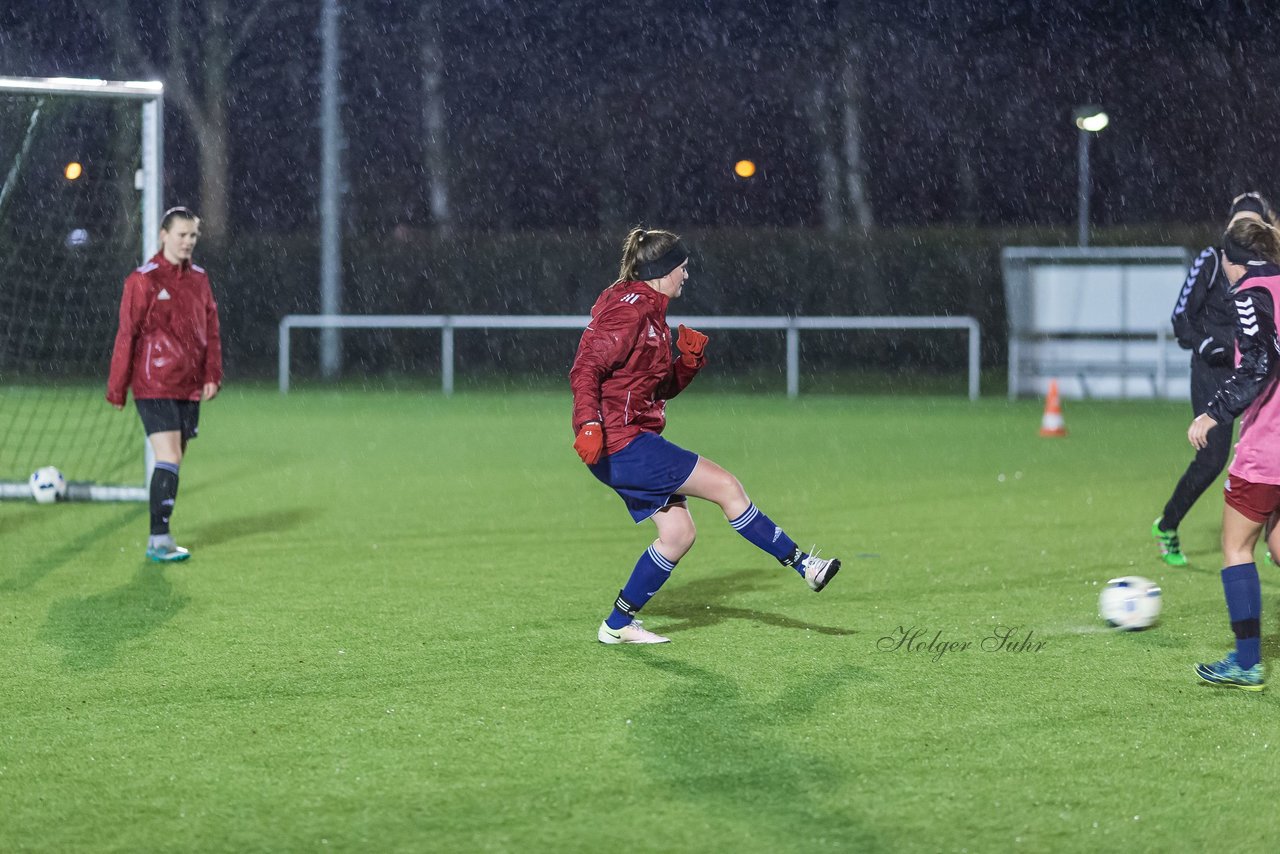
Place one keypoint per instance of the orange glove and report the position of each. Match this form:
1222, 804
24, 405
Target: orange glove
690, 344
590, 442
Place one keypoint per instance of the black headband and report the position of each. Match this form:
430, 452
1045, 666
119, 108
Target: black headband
1238, 253
663, 264
1249, 203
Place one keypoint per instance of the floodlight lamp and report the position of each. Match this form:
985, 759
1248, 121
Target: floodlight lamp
1091, 118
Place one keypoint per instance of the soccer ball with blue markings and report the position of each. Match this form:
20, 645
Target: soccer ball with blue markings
47, 485
1130, 603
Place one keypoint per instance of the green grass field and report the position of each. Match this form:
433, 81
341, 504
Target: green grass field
385, 641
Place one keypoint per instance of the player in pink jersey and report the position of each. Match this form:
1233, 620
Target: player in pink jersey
1251, 260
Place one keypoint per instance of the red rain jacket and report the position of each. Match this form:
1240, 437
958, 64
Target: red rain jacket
624, 374
168, 344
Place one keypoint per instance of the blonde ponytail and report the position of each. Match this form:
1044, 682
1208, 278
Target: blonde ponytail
642, 245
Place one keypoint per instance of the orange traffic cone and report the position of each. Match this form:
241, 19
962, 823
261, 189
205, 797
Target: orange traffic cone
1052, 423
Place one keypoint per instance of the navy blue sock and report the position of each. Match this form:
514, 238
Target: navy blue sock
651, 572
759, 530
164, 492
1244, 606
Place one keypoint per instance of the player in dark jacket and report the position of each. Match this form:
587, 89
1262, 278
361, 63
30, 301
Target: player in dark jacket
168, 350
1204, 320
622, 377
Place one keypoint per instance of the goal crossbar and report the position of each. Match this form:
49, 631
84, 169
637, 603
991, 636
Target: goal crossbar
792, 326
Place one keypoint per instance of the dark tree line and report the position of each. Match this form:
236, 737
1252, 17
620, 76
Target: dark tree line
495, 114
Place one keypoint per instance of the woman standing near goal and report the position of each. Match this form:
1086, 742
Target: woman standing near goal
168, 351
1251, 251
622, 377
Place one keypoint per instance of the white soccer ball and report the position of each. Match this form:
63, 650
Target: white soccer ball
1129, 603
47, 485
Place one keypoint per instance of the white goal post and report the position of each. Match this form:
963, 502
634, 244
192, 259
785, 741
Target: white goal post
149, 182
792, 326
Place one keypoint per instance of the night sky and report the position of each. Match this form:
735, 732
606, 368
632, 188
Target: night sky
554, 106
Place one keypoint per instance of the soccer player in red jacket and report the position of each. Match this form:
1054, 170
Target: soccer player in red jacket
168, 350
622, 377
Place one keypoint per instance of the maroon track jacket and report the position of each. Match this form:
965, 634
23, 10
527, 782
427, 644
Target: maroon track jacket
168, 344
623, 373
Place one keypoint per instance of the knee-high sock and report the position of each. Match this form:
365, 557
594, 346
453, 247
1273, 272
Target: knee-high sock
651, 572
1244, 605
759, 530
164, 492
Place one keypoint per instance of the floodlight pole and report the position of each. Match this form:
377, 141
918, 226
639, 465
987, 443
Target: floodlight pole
330, 192
1090, 120
1083, 162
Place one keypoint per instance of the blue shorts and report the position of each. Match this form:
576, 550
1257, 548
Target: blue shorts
646, 474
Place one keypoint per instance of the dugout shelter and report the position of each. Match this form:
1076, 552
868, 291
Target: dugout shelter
1096, 319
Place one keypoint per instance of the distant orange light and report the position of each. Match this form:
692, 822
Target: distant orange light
744, 168
73, 171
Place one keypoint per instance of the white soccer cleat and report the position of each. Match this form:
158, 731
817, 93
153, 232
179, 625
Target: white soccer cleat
818, 571
633, 632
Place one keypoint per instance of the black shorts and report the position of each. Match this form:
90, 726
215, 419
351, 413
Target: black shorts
161, 415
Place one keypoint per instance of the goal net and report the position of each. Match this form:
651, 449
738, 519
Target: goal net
79, 205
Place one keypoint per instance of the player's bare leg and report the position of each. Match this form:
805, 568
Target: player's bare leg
1239, 536
676, 531
716, 484
167, 446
